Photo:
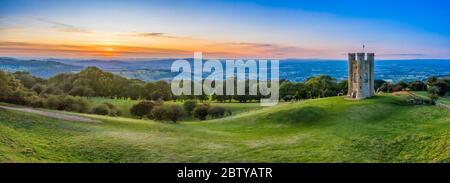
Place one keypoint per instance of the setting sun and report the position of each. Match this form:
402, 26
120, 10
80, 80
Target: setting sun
109, 49
109, 52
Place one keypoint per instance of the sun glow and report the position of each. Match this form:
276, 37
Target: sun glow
109, 52
109, 49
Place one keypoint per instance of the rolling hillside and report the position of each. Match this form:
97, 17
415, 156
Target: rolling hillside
37, 68
382, 129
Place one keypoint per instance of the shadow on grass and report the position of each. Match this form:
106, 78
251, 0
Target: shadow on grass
303, 115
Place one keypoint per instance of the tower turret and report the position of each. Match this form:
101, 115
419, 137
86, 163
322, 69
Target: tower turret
360, 75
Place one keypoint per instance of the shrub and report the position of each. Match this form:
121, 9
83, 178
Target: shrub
158, 113
288, 98
189, 106
142, 108
397, 88
18, 97
201, 111
217, 111
106, 109
35, 101
113, 111
101, 109
53, 102
433, 94
174, 112
75, 104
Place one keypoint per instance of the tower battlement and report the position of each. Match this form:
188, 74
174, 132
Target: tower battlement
361, 75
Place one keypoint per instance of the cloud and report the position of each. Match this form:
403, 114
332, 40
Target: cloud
271, 48
259, 45
152, 35
90, 51
66, 27
213, 50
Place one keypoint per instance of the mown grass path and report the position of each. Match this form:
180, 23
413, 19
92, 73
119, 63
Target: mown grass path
52, 114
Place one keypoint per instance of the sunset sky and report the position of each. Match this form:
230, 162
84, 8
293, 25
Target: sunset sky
132, 29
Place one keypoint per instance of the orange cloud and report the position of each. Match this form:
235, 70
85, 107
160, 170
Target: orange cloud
210, 50
80, 51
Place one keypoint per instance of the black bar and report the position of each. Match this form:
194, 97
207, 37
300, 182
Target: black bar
291, 172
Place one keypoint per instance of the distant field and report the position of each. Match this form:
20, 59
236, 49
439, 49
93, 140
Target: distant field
444, 100
381, 129
125, 105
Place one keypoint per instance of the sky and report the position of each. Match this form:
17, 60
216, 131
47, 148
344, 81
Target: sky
137, 29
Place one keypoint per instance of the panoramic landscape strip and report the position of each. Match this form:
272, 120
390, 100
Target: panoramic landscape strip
224, 90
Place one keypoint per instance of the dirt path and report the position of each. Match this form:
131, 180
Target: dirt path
51, 114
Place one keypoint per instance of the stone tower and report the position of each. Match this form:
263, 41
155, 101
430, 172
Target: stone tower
360, 75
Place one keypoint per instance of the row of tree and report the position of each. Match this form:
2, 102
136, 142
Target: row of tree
158, 111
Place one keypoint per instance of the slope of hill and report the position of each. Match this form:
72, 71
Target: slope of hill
382, 129
38, 68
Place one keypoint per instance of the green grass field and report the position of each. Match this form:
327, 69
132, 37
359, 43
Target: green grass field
444, 100
381, 129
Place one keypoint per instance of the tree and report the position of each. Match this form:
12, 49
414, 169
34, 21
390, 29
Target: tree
219, 98
433, 93
201, 111
159, 90
402, 84
142, 108
53, 90
135, 91
81, 91
287, 88
442, 85
300, 91
63, 81
378, 83
342, 87
217, 111
38, 88
417, 86
189, 106
5, 89
431, 80
174, 112
321, 86
102, 83
385, 87
27, 79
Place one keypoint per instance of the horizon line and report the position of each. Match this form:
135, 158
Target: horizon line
180, 58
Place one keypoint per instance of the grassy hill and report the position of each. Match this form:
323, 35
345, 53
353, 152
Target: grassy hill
39, 68
382, 129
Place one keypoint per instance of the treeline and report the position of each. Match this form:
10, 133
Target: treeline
23, 88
